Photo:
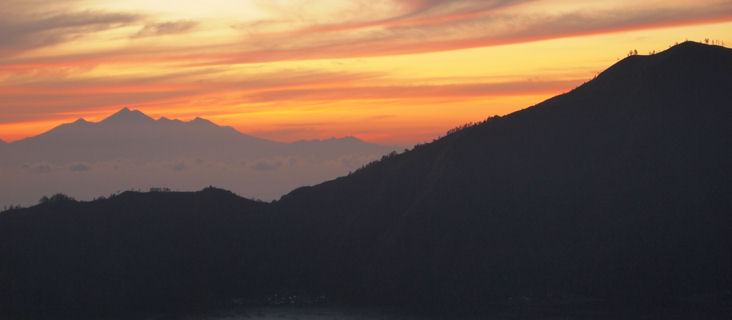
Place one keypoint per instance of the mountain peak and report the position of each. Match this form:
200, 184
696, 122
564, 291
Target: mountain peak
168, 120
81, 121
202, 121
125, 115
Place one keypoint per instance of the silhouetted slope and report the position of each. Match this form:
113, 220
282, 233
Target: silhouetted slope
618, 190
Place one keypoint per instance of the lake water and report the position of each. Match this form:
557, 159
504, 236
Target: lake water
512, 313
306, 313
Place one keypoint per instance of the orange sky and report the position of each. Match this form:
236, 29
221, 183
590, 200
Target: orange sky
388, 71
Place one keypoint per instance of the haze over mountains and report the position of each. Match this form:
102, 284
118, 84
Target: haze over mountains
132, 135
616, 193
131, 150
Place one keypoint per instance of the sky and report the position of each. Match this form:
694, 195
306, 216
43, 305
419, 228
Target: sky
395, 72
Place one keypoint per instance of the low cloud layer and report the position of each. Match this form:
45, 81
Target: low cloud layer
267, 165
80, 167
40, 168
264, 178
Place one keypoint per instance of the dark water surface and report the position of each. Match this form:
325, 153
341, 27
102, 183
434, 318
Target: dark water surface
552, 312
307, 313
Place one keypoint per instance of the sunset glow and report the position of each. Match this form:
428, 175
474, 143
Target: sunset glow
387, 71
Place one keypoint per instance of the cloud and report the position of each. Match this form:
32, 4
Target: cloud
424, 12
420, 26
165, 28
47, 97
180, 166
267, 166
24, 107
41, 168
583, 22
358, 14
421, 91
79, 168
382, 117
463, 29
25, 30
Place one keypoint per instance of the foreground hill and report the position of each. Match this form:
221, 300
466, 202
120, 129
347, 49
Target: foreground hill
618, 191
131, 252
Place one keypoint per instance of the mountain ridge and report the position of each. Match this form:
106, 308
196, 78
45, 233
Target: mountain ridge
126, 116
135, 130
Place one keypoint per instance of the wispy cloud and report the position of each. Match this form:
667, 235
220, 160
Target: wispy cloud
17, 108
465, 31
23, 31
46, 98
412, 92
165, 28
79, 167
426, 26
364, 15
267, 165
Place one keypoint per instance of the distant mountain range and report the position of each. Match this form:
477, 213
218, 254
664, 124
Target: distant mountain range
130, 134
614, 196
129, 150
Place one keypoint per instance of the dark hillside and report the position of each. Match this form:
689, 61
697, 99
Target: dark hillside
619, 189
135, 251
